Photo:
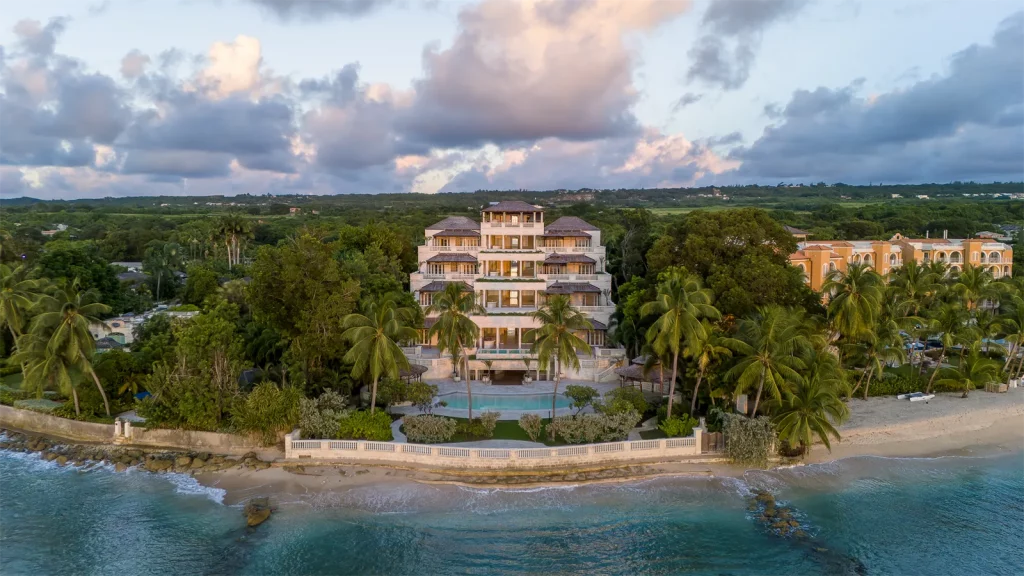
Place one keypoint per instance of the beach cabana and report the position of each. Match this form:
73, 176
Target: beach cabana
414, 372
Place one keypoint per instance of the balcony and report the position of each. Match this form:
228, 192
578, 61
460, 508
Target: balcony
572, 277
452, 248
503, 353
596, 309
447, 276
569, 249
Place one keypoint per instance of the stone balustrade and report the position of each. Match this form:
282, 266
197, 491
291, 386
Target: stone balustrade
664, 449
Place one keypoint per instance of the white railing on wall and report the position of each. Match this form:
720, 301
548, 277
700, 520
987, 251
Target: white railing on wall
356, 450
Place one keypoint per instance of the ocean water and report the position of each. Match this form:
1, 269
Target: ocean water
955, 515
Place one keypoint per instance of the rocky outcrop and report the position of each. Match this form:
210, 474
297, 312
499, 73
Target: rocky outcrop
257, 511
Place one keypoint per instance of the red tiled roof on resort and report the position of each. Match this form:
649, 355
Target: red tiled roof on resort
828, 243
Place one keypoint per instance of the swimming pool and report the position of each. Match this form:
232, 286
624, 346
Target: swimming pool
508, 402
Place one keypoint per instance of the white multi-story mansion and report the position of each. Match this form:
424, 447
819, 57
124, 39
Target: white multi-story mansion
513, 261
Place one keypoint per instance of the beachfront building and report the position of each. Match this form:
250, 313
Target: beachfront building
819, 258
514, 260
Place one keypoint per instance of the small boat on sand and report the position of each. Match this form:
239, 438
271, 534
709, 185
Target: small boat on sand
915, 396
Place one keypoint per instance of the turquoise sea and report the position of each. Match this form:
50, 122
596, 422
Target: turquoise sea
952, 515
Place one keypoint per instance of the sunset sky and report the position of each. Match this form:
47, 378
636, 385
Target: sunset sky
142, 97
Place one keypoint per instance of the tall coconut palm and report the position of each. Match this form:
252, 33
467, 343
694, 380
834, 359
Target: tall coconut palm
950, 322
975, 285
915, 285
555, 340
769, 353
706, 347
812, 408
974, 371
856, 300
163, 259
375, 336
681, 303
45, 368
884, 344
17, 294
454, 328
233, 229
1011, 324
66, 316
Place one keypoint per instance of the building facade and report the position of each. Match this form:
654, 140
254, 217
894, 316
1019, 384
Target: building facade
514, 260
819, 258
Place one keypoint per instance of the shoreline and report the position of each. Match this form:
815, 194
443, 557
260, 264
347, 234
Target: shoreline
981, 425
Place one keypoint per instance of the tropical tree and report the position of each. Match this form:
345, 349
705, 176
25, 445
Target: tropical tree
233, 229
1011, 324
680, 304
17, 294
454, 328
915, 285
707, 347
163, 259
882, 345
974, 371
66, 316
856, 300
812, 408
45, 368
950, 323
769, 353
555, 340
975, 285
375, 336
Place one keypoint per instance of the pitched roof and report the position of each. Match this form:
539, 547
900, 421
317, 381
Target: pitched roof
452, 257
571, 223
793, 230
512, 206
438, 286
456, 223
457, 232
828, 243
565, 234
597, 324
570, 287
556, 258
636, 372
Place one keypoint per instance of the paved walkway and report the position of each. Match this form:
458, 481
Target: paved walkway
396, 433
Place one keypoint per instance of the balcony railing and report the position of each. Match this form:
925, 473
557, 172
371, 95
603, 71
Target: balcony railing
563, 249
607, 308
452, 248
448, 276
488, 353
576, 277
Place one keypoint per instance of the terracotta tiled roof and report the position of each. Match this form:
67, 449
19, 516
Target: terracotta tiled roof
828, 243
456, 223
570, 223
512, 206
452, 257
567, 258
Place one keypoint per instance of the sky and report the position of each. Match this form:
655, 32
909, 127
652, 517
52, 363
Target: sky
174, 97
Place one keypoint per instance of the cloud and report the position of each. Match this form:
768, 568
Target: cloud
724, 56
515, 72
316, 10
39, 40
134, 64
965, 124
686, 100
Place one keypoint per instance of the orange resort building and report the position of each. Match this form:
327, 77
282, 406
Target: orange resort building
514, 260
818, 258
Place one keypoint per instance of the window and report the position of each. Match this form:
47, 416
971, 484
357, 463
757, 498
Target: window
491, 298
510, 298
528, 243
529, 270
512, 242
529, 298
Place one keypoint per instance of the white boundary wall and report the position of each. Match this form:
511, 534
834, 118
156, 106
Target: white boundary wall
490, 458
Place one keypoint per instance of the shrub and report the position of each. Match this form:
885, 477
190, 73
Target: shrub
9, 369
581, 396
39, 405
266, 411
590, 428
715, 419
679, 426
9, 395
489, 420
319, 418
363, 425
748, 441
429, 429
471, 428
622, 400
532, 424
894, 384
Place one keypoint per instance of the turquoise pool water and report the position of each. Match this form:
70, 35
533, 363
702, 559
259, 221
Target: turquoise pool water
509, 402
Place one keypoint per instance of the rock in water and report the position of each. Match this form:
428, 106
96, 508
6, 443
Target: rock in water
257, 511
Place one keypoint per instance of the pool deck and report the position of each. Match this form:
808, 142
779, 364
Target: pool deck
449, 386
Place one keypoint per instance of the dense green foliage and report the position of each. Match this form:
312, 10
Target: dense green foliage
365, 425
678, 425
533, 425
427, 429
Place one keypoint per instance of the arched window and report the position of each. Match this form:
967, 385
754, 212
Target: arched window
995, 271
892, 259
954, 257
867, 259
982, 257
993, 257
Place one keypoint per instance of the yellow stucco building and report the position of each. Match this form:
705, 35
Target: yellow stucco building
818, 258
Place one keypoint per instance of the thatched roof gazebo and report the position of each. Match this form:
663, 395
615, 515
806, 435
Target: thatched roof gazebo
634, 373
414, 372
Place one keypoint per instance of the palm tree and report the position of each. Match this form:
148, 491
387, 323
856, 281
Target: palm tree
950, 322
1011, 324
706, 347
232, 229
45, 368
454, 328
556, 340
67, 314
856, 300
375, 338
771, 341
681, 303
162, 259
975, 285
17, 294
813, 408
882, 345
915, 285
974, 371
